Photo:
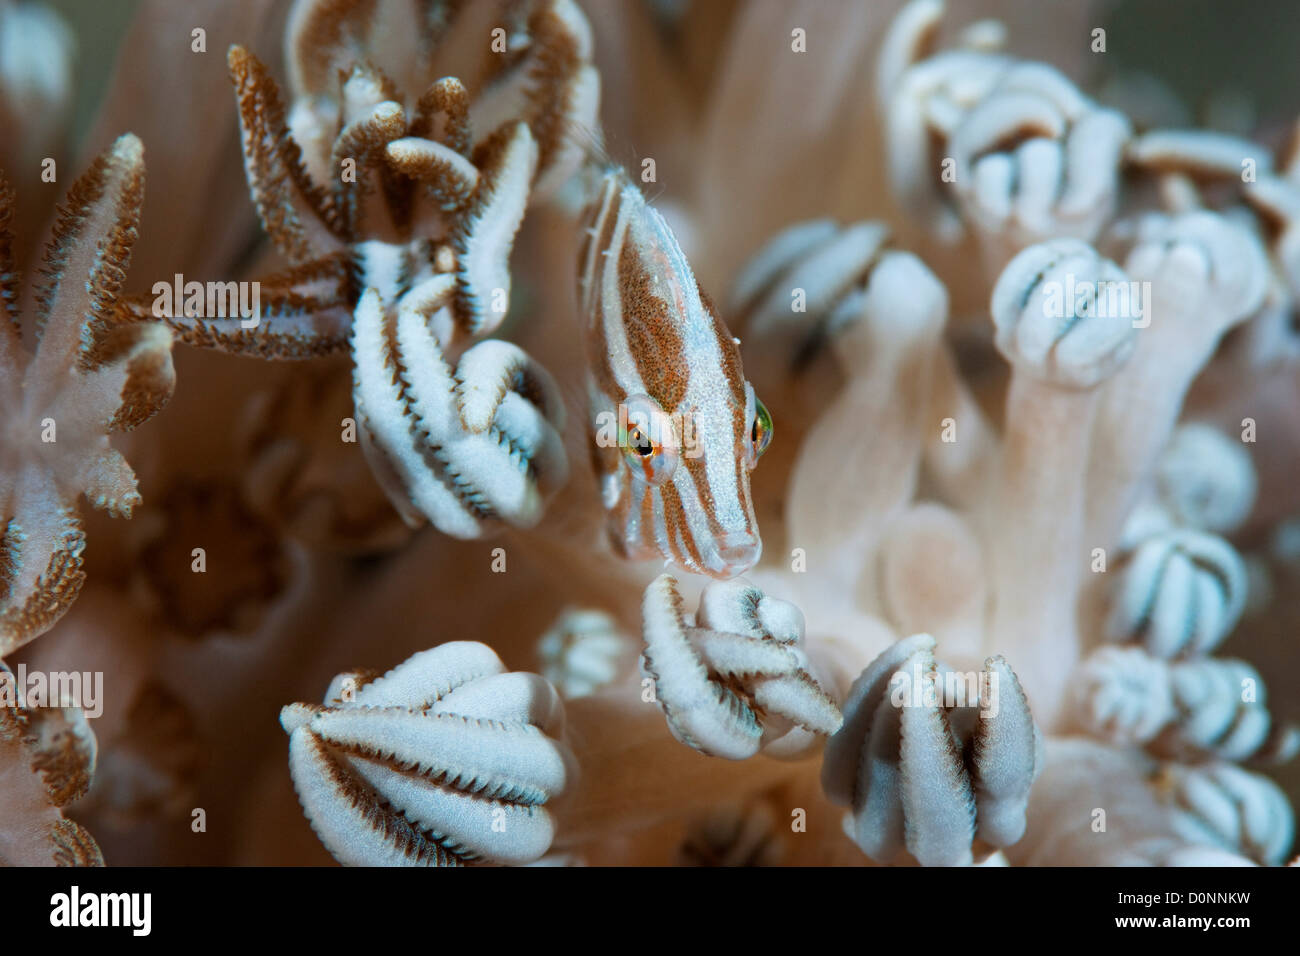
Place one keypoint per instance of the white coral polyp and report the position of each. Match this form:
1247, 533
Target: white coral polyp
1205, 479
925, 776
1181, 593
1223, 806
467, 448
1051, 310
1025, 156
582, 652
445, 760
1123, 695
1184, 708
737, 681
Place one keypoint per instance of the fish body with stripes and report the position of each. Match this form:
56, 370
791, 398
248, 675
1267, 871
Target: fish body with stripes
676, 427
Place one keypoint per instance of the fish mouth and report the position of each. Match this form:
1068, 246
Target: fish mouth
733, 553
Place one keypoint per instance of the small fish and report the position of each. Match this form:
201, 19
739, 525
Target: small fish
676, 427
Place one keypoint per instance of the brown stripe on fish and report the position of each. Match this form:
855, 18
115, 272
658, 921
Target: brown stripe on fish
652, 335
688, 536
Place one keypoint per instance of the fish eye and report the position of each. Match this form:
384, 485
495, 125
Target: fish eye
760, 432
648, 440
639, 443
